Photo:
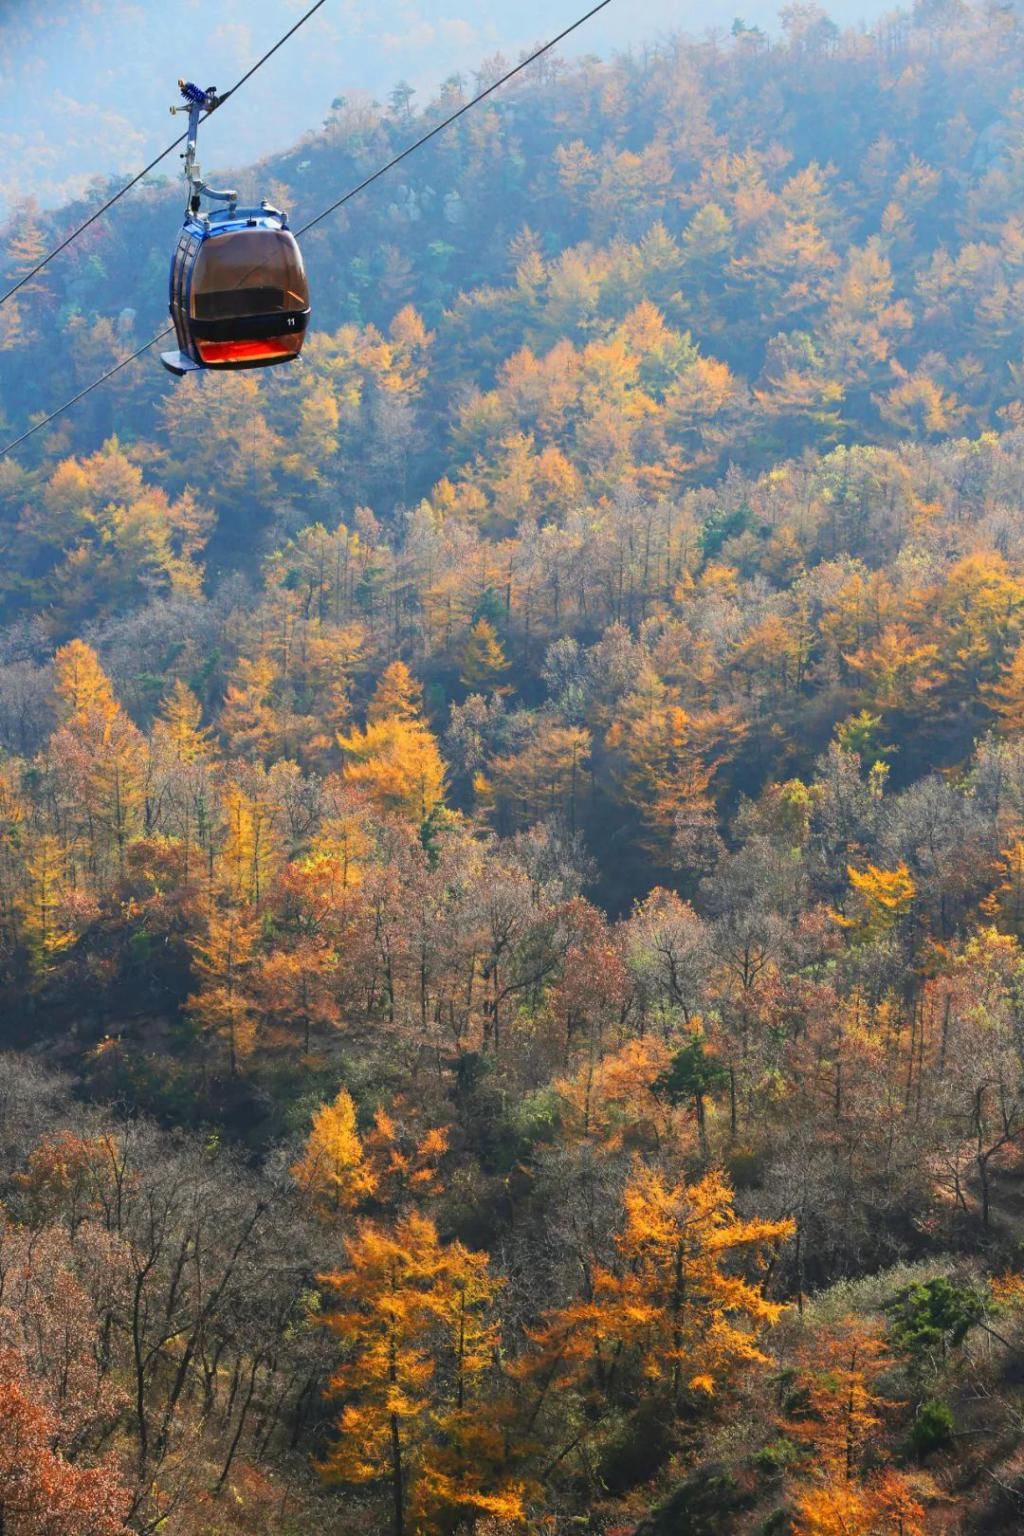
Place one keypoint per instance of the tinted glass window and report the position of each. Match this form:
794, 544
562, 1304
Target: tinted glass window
251, 272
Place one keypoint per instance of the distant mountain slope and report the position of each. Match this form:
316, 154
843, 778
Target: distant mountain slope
84, 88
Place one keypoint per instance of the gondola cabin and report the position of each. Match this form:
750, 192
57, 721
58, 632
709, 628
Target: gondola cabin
238, 293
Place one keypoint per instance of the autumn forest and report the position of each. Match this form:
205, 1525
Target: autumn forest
512, 829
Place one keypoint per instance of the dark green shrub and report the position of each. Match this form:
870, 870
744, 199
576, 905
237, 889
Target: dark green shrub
773, 1459
932, 1428
637, 1451
707, 1504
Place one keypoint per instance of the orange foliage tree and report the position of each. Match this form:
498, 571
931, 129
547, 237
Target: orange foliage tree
838, 1416
673, 1308
412, 1318
42, 1493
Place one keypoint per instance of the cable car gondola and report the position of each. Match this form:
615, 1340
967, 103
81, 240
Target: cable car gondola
238, 292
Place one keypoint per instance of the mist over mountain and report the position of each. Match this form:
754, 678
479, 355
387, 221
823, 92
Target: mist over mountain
84, 88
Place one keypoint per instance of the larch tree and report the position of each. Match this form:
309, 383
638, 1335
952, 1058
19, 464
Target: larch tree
468, 1473
397, 764
835, 1509
839, 1410
100, 755
546, 778
83, 688
250, 851
838, 1419
484, 663
44, 927
675, 1243
669, 761
886, 896
404, 1158
181, 771
672, 1313
408, 1315
398, 695
179, 731
249, 719
222, 959
297, 990
332, 1171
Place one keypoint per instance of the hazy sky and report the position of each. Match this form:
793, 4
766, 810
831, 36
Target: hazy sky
85, 84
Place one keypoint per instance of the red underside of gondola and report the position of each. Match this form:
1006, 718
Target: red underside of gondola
213, 352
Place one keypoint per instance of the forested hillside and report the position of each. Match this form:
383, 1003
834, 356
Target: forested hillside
512, 829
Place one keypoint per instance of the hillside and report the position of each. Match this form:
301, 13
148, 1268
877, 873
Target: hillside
86, 87
512, 829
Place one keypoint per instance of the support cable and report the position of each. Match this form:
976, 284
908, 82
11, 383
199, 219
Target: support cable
454, 116
86, 391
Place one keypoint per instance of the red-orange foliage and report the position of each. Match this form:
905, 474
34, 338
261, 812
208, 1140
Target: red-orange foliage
41, 1492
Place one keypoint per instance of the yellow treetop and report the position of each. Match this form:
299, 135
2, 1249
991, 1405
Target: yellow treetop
614, 1099
405, 1160
887, 893
44, 927
396, 762
484, 663
101, 752
839, 1370
398, 695
82, 685
414, 1318
546, 777
671, 1302
842, 1413
179, 729
332, 1171
249, 719
250, 852
670, 761
838, 1508
222, 959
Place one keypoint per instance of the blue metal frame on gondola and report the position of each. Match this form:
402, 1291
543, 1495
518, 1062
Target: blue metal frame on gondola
250, 305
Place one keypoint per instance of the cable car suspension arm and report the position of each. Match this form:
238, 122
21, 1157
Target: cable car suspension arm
198, 104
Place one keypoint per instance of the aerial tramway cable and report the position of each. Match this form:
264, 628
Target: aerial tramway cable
454, 117
341, 201
86, 391
221, 99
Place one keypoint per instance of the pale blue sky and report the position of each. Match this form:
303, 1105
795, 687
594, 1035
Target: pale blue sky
85, 84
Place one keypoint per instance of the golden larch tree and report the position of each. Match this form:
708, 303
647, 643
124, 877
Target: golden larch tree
398, 695
397, 764
44, 929
179, 732
411, 1319
222, 960
332, 1171
673, 1304
484, 663
886, 895
99, 754
249, 719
